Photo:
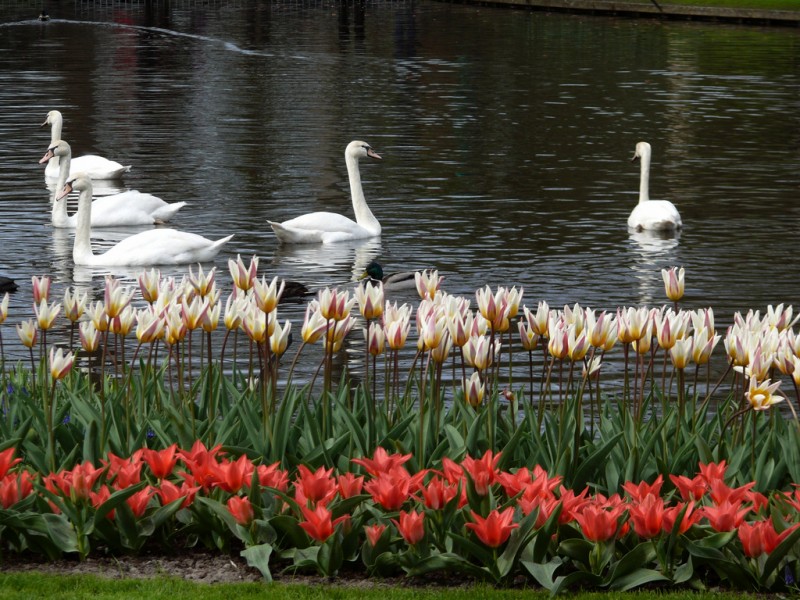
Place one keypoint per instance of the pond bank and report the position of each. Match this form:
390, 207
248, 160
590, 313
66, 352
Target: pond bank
653, 10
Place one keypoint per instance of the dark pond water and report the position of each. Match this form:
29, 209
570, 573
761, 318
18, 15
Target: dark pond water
506, 139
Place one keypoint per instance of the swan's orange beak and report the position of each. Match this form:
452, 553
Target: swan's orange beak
371, 153
67, 189
635, 157
45, 122
48, 155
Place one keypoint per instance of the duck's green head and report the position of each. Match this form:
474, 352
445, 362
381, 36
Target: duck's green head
374, 271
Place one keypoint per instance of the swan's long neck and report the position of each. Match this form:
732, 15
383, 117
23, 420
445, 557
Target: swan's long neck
364, 216
56, 123
82, 248
644, 178
58, 215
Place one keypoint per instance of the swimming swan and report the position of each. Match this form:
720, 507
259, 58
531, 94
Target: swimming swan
151, 247
653, 215
126, 209
326, 227
94, 166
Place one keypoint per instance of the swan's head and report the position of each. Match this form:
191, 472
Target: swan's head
642, 150
78, 183
358, 149
52, 117
58, 148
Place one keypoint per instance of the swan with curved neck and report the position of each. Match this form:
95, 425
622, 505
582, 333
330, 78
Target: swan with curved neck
125, 209
652, 215
327, 227
97, 167
152, 247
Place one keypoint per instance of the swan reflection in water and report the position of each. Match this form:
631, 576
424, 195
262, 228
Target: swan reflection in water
327, 265
652, 251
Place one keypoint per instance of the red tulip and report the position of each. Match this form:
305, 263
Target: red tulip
374, 533
597, 523
316, 487
6, 461
389, 490
272, 476
241, 509
161, 462
495, 529
690, 489
722, 493
757, 538
318, 524
15, 487
571, 504
349, 485
438, 493
514, 483
726, 516
139, 501
713, 471
642, 490
411, 526
234, 475
648, 516
381, 461
482, 471
169, 492
690, 517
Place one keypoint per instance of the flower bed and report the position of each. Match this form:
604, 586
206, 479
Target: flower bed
544, 478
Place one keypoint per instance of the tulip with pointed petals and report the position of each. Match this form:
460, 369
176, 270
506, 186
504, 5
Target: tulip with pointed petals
74, 305
90, 337
374, 533
370, 300
241, 509
6, 461
28, 333
673, 282
761, 395
243, 277
411, 526
382, 461
60, 363
116, 297
46, 314
41, 288
149, 285
279, 339
473, 389
318, 524
428, 283
161, 462
495, 529
314, 324
268, 295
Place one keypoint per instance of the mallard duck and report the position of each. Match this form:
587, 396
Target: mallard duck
651, 215
393, 281
294, 291
7, 284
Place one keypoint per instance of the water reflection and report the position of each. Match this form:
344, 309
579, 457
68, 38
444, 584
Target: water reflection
329, 263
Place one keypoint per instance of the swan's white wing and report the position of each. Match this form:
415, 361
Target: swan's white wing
97, 167
161, 247
132, 208
655, 215
325, 227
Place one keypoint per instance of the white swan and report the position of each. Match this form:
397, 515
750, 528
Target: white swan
94, 166
326, 227
151, 247
125, 209
653, 215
